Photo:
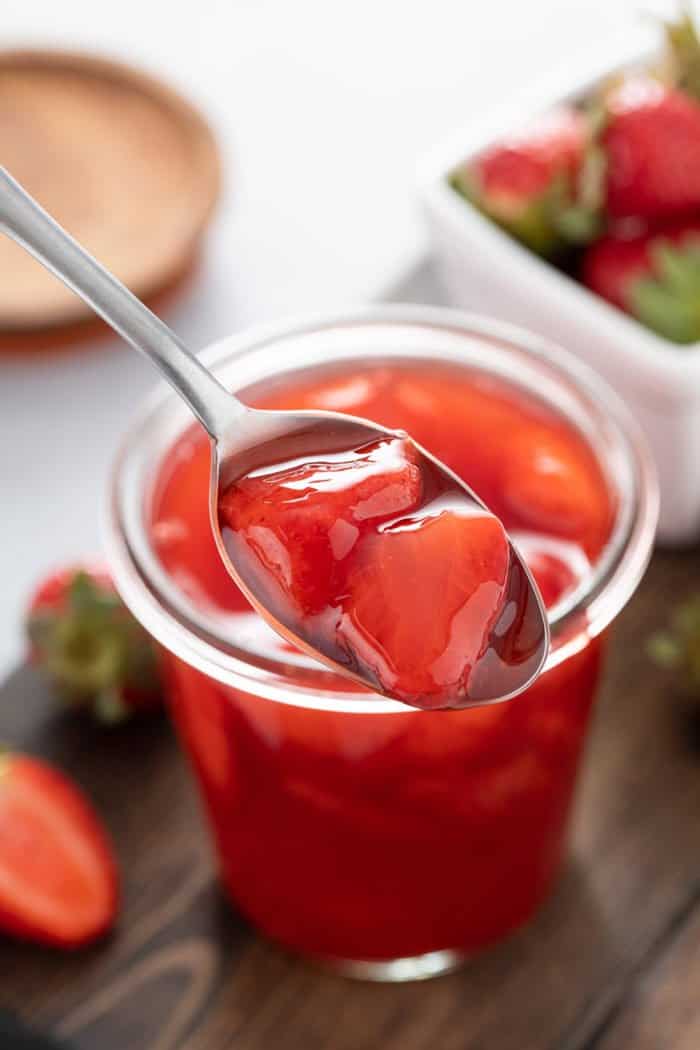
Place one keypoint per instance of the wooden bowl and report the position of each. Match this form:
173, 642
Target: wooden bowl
122, 161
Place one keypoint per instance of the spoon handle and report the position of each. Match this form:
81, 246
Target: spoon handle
26, 222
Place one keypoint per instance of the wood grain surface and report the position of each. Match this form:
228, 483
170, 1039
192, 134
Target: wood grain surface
611, 963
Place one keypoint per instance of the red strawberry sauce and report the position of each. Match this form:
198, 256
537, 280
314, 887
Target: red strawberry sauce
373, 836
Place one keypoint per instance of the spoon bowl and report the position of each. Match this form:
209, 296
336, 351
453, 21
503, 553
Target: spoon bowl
509, 637
511, 652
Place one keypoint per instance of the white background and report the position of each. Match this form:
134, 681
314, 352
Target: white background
322, 108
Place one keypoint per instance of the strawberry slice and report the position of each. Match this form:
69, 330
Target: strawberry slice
654, 277
422, 602
58, 878
301, 522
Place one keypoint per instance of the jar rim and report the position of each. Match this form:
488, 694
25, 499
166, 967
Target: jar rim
197, 638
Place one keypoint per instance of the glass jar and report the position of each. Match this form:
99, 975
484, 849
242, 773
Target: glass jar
387, 842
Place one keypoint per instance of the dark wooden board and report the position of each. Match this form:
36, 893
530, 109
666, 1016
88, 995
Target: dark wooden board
612, 963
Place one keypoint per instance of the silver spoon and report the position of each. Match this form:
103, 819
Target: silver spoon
245, 439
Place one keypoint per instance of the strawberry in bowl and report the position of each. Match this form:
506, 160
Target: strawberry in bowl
575, 214
654, 276
533, 184
608, 187
651, 144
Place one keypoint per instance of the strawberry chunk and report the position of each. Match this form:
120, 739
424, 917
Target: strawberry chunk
422, 602
300, 523
551, 485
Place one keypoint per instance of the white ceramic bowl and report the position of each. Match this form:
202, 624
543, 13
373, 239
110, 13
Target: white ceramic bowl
484, 269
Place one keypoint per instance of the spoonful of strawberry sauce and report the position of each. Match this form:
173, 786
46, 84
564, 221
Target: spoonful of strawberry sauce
352, 541
369, 553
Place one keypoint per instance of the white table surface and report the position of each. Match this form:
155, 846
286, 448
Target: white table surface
322, 109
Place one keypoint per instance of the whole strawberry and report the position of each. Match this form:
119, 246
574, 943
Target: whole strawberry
654, 277
89, 645
651, 141
533, 184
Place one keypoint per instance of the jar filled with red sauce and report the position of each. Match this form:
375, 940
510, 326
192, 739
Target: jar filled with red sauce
386, 841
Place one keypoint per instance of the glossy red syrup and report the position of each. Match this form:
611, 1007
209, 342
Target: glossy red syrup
375, 836
337, 547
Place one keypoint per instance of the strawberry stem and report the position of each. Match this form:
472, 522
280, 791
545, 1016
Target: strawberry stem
93, 650
683, 45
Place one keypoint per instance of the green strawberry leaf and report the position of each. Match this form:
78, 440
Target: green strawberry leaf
668, 301
93, 650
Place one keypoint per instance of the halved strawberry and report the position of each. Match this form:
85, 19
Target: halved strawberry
300, 523
651, 141
94, 652
534, 184
58, 876
421, 603
654, 276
